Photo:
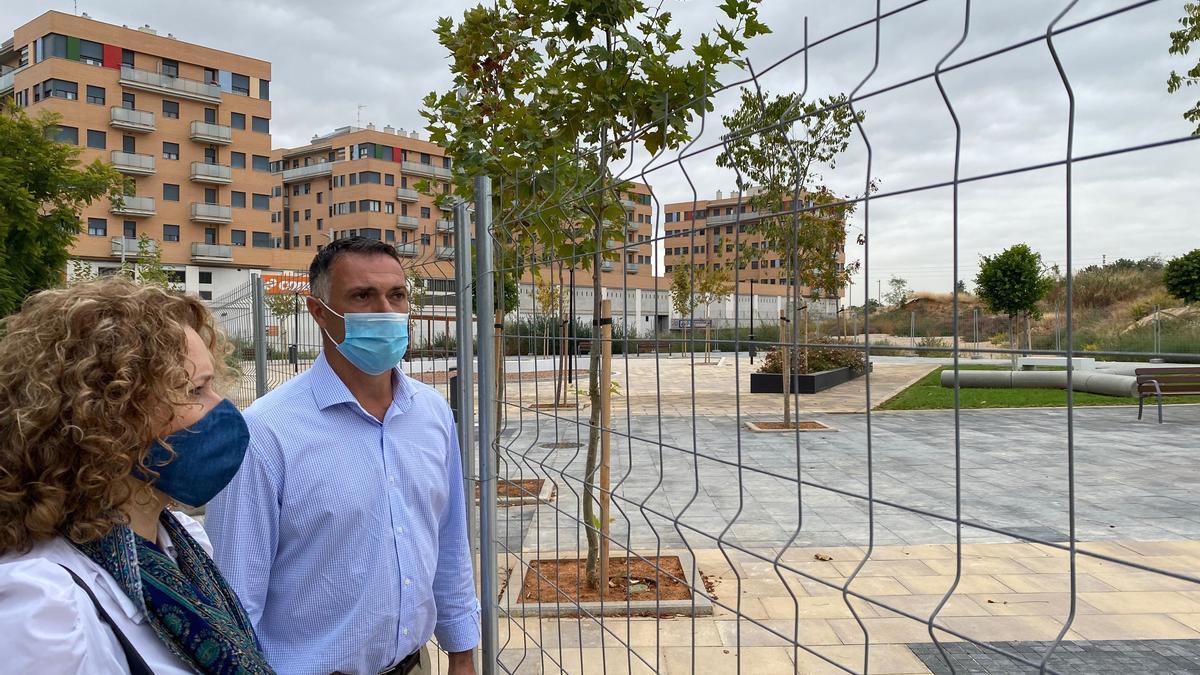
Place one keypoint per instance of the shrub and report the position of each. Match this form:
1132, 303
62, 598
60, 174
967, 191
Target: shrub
1182, 276
819, 359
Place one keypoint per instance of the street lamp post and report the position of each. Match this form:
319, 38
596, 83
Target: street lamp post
752, 348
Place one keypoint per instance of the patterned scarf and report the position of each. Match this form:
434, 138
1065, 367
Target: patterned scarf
187, 601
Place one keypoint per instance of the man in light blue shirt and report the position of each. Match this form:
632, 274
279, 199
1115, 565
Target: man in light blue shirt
344, 532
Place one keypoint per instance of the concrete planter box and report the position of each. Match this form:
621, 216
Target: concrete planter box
811, 383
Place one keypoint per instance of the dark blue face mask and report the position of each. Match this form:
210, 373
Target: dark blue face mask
206, 456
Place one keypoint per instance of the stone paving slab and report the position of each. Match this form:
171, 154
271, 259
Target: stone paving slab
1117, 656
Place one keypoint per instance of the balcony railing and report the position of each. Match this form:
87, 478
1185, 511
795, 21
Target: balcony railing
203, 172
421, 169
444, 225
131, 120
631, 227
445, 253
212, 252
8, 81
408, 222
407, 195
211, 213
303, 172
628, 204
130, 247
133, 163
606, 266
631, 268
408, 249
165, 84
134, 206
731, 217
205, 132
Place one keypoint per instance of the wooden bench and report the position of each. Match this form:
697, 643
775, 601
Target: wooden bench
644, 347
1160, 382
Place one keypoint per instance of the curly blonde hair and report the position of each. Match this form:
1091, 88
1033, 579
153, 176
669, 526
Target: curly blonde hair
88, 376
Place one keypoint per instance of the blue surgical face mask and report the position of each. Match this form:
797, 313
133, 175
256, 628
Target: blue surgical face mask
203, 457
375, 342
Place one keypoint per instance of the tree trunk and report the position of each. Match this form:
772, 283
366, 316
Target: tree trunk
605, 335
785, 339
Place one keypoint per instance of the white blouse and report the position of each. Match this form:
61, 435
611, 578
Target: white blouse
49, 625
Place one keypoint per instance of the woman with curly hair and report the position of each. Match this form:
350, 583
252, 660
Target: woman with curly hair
108, 415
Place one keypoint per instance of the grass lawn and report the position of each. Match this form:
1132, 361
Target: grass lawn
929, 394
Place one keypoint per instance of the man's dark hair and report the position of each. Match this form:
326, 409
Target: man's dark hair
318, 271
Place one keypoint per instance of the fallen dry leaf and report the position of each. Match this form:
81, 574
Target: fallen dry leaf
822, 557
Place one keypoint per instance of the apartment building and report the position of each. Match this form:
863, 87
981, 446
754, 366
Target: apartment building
190, 125
708, 232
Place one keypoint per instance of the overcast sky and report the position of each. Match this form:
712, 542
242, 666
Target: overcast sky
329, 58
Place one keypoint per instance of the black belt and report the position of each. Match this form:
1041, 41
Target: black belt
406, 666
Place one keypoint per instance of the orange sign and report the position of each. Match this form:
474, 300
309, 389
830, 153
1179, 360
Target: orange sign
285, 284
272, 330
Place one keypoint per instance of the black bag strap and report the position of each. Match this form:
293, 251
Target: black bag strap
137, 665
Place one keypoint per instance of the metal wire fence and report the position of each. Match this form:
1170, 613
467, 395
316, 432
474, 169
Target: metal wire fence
837, 543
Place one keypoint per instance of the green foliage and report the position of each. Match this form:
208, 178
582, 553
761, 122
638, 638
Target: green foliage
694, 286
1102, 287
284, 305
149, 267
778, 145
898, 292
1013, 281
43, 189
819, 359
1181, 42
81, 272
1182, 277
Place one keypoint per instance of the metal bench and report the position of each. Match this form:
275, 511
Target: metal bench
1160, 382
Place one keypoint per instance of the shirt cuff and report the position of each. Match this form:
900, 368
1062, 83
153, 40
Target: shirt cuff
460, 634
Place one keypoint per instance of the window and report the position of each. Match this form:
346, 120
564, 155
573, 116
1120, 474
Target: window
170, 67
261, 163
211, 76
210, 235
295, 190
369, 177
425, 212
91, 53
97, 227
261, 202
425, 239
445, 162
127, 58
275, 217
53, 45
296, 241
127, 101
170, 233
320, 223
445, 188
66, 135
260, 124
176, 276
370, 233
130, 229
170, 192
237, 199
404, 181
308, 214
319, 196
57, 89
96, 139
205, 295
237, 237
261, 239
210, 115
391, 235
389, 207
210, 155
308, 240
171, 109
354, 179
95, 94
128, 144
389, 179
425, 159
237, 160
237, 120
264, 90
241, 84
307, 188
295, 216
369, 205
170, 150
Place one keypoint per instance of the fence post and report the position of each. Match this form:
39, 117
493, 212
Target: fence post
466, 362
485, 313
259, 306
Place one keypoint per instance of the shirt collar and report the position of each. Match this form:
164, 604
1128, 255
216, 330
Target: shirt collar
329, 390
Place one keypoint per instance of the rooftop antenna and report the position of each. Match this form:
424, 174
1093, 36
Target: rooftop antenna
360, 109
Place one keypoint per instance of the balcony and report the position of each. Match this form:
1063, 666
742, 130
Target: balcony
140, 121
606, 266
425, 170
445, 253
217, 134
305, 172
220, 174
211, 213
631, 227
731, 217
631, 268
444, 225
130, 247
173, 86
219, 253
133, 163
407, 195
8, 81
407, 249
408, 222
137, 207
628, 204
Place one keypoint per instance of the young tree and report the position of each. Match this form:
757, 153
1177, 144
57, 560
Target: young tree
545, 96
1182, 277
693, 287
1181, 43
43, 189
1012, 283
149, 268
898, 292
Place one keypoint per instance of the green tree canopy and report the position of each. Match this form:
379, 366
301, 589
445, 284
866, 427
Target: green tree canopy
1181, 44
1013, 282
43, 189
1182, 277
